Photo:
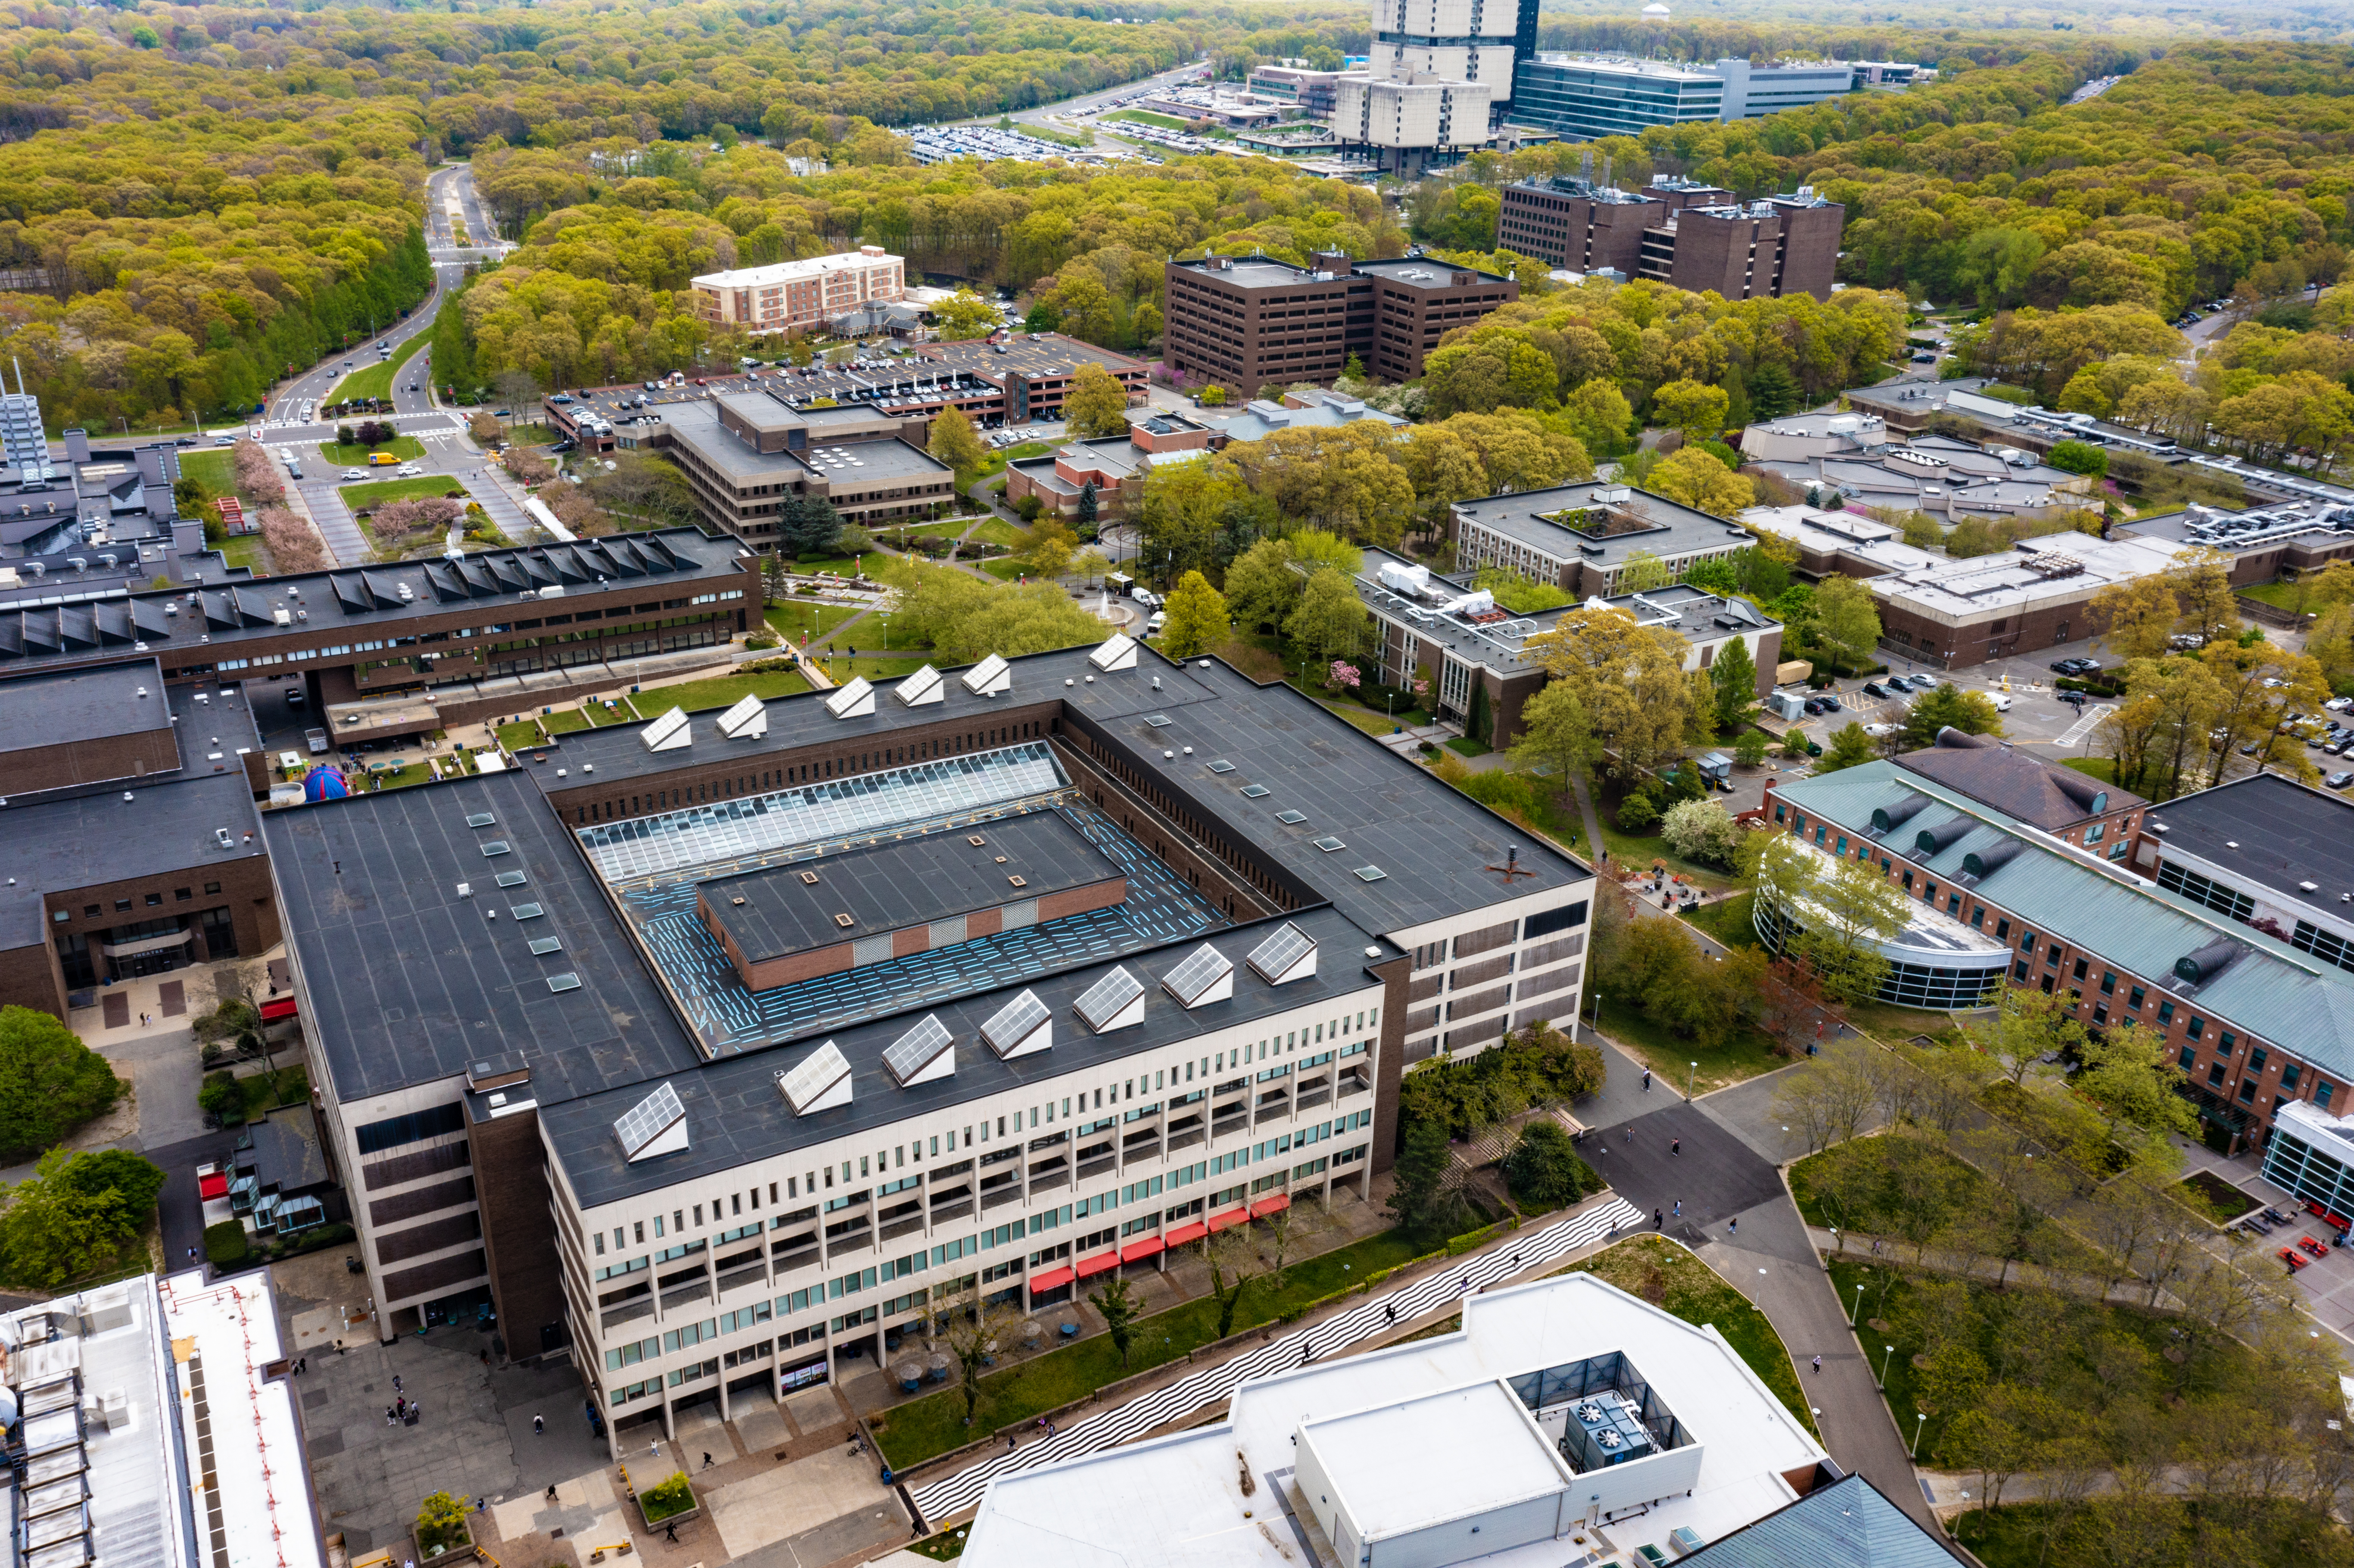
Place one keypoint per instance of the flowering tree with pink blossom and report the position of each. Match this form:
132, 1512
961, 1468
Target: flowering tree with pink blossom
1344, 675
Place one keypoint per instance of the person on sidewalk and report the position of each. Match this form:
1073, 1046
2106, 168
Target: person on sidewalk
1659, 1220
1679, 1209
539, 1429
1818, 1363
1675, 1146
1647, 1080
1733, 1229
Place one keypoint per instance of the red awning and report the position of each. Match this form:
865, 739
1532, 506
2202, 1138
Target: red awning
1271, 1203
1098, 1263
1231, 1217
1144, 1248
1053, 1279
1191, 1232
214, 1184
276, 1008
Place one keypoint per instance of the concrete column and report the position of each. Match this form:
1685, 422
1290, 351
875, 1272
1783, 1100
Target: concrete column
725, 1412
669, 1427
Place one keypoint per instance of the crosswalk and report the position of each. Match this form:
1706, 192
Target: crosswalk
2086, 721
953, 1494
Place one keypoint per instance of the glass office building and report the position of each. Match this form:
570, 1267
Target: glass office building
1585, 100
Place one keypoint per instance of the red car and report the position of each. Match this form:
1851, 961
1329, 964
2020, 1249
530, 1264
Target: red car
2288, 1256
2312, 1247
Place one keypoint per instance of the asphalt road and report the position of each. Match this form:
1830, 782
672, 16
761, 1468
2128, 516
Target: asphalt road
1046, 113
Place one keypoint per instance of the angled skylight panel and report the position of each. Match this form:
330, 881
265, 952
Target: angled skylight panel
1113, 1002
672, 732
923, 1053
855, 700
747, 720
1020, 1027
923, 687
1207, 975
989, 677
820, 1082
1117, 652
1289, 955
656, 1125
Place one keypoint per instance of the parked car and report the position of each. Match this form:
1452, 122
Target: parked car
293, 696
1922, 683
317, 739
2339, 779
2077, 666
2338, 705
1874, 689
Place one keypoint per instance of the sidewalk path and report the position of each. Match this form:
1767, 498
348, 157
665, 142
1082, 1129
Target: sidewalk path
2127, 1292
1517, 1254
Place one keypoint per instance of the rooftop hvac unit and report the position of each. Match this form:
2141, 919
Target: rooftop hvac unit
672, 732
855, 700
747, 720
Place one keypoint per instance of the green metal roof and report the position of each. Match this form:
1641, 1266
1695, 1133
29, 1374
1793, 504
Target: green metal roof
2268, 990
1848, 1524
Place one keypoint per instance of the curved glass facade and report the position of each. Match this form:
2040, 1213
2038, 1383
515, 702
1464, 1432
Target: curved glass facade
1933, 980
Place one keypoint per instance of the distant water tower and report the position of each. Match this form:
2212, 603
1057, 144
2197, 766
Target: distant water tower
1657, 11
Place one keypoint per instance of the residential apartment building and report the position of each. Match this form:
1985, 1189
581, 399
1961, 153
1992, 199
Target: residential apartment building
796, 296
553, 1090
1244, 322
1582, 537
1678, 232
2254, 1023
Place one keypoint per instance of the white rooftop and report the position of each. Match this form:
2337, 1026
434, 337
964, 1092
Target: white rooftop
789, 271
229, 1329
1179, 1502
1473, 1448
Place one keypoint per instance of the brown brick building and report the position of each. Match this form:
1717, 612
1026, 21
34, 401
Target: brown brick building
1677, 232
1244, 322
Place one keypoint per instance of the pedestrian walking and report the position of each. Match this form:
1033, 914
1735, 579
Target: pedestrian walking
707, 1461
192, 1255
655, 1450
671, 1534
539, 1429
1659, 1220
1392, 1312
1818, 1363
1675, 1146
551, 1486
396, 1382
391, 1417
1679, 1209
1630, 1134
1009, 1441
1734, 1228
1647, 1080
339, 1347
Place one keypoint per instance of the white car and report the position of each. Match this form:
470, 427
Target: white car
1877, 730
351, 475
2338, 705
408, 470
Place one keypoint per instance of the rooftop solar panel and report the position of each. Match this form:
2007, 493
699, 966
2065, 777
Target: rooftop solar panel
1015, 1022
1272, 958
917, 1049
1108, 998
648, 1119
1193, 981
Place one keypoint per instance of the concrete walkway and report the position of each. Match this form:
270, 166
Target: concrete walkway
1860, 1248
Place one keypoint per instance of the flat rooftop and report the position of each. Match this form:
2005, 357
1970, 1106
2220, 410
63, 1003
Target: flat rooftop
411, 980
1039, 355
1251, 271
165, 827
929, 877
1413, 850
2295, 842
2312, 523
2057, 567
1177, 1500
1473, 1450
100, 701
1673, 530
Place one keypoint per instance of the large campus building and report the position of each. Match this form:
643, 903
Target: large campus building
2216, 920
796, 296
1678, 232
1565, 1421
717, 1050
1246, 321
1585, 538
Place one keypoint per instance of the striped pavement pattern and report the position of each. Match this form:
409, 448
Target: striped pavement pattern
953, 1494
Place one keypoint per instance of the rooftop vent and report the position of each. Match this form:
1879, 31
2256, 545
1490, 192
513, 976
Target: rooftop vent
922, 687
855, 700
656, 1125
669, 732
1117, 653
2199, 968
1113, 1002
844, 921
747, 720
990, 678
1021, 1026
820, 1082
1206, 975
923, 1053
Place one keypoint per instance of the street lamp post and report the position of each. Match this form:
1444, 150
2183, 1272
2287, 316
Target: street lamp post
1857, 1310
1689, 1076
1920, 1419
1888, 1355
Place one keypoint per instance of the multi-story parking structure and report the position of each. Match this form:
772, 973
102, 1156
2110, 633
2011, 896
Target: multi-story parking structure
718, 1051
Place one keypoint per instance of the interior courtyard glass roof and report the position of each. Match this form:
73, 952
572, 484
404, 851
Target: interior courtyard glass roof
744, 834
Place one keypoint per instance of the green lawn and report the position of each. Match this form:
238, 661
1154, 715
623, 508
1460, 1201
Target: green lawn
212, 466
795, 617
1746, 1053
998, 531
267, 1091
1004, 570
934, 1424
1364, 719
1146, 117
356, 455
1642, 850
841, 668
720, 692
1464, 745
367, 497
1727, 922
245, 550
1660, 1271
376, 381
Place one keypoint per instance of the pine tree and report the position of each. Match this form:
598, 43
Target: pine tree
1477, 723
1734, 676
1087, 505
